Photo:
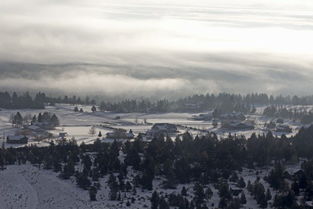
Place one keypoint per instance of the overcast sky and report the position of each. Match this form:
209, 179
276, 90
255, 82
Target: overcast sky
157, 48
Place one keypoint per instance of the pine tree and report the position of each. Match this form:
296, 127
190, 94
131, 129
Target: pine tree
208, 193
18, 119
54, 120
100, 134
40, 117
184, 191
243, 199
113, 187
34, 120
268, 194
92, 193
82, 180
128, 186
163, 204
155, 200
68, 170
241, 183
199, 194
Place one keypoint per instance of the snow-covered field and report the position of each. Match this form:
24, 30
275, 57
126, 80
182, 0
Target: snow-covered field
77, 124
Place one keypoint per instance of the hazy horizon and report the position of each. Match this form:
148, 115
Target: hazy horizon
157, 48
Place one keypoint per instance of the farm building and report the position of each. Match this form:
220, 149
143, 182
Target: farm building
235, 125
20, 139
161, 129
205, 117
62, 135
120, 134
283, 129
233, 116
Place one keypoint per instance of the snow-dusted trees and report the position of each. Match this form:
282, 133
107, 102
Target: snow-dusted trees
17, 119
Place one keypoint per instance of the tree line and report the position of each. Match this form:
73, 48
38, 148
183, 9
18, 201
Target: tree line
15, 101
222, 102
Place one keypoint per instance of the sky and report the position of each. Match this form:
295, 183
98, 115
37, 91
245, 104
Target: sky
149, 48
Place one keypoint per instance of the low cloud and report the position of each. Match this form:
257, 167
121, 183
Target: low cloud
162, 49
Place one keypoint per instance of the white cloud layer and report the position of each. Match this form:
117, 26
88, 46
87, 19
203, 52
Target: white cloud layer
158, 47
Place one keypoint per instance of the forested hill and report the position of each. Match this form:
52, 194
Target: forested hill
199, 161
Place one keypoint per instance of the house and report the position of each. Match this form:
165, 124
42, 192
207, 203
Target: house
161, 129
34, 129
205, 117
62, 135
164, 127
233, 116
43, 125
120, 134
237, 125
19, 139
283, 129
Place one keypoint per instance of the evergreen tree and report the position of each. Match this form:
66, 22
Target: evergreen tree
184, 191
163, 204
241, 183
243, 199
82, 180
198, 194
54, 120
92, 193
155, 200
113, 187
268, 194
99, 134
17, 119
68, 170
208, 193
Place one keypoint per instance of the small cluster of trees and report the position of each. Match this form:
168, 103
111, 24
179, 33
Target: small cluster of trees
302, 115
46, 118
259, 193
71, 100
292, 191
78, 110
93, 109
15, 101
43, 119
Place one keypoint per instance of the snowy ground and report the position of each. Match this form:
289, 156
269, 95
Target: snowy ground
78, 124
27, 187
